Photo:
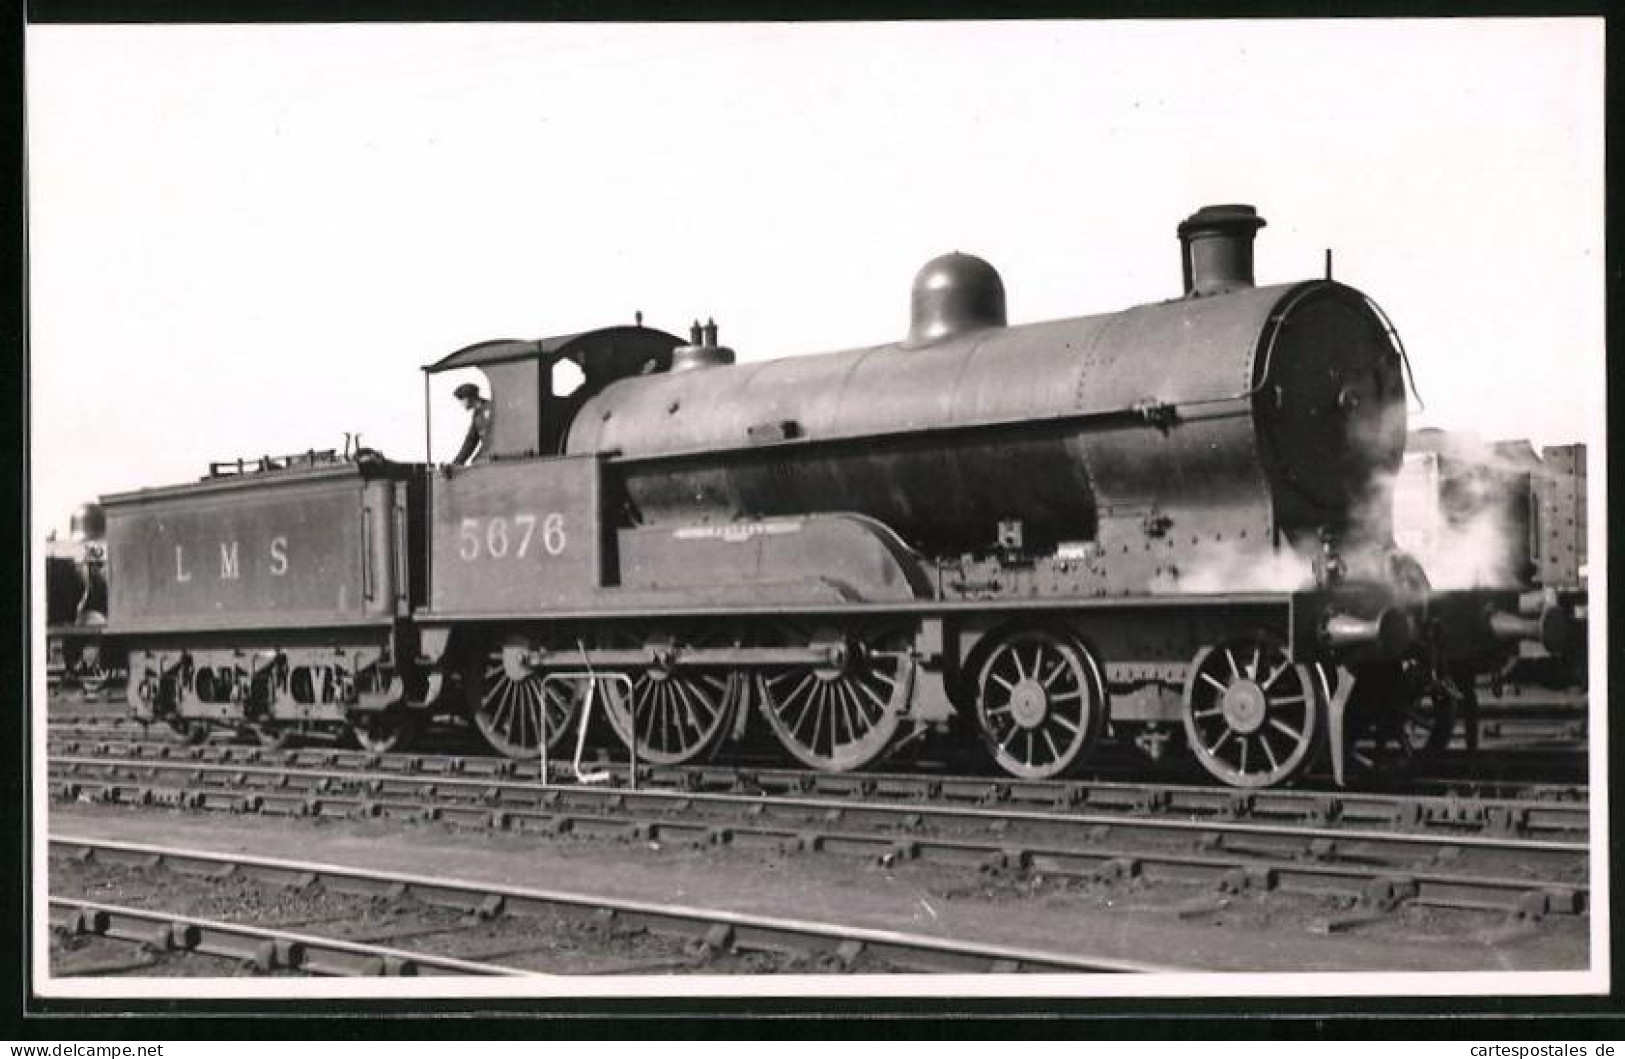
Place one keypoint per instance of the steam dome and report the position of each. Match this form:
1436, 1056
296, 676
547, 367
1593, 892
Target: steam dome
953, 294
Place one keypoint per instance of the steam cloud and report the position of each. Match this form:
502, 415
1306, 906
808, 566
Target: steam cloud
1231, 568
1463, 533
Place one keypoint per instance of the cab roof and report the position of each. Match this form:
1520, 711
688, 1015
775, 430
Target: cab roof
612, 351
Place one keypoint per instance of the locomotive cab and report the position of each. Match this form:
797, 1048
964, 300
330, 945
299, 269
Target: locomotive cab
538, 386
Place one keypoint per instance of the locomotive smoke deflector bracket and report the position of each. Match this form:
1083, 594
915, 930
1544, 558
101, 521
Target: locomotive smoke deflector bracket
1216, 249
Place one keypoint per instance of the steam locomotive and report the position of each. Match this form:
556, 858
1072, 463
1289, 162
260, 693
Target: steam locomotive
1501, 513
1167, 525
76, 606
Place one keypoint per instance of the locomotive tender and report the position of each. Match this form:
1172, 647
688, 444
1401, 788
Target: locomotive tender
1170, 521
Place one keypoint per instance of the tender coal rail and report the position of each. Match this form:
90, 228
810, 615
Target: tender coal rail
521, 924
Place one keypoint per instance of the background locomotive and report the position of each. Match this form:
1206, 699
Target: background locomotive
1500, 513
76, 605
1172, 520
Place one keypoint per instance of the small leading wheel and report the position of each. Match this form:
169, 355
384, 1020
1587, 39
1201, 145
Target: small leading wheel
1429, 722
385, 731
1252, 717
511, 710
842, 715
1040, 701
1406, 714
679, 713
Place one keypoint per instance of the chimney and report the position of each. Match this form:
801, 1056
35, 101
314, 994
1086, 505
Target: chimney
1216, 247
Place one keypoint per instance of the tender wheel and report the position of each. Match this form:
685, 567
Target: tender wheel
844, 715
266, 730
509, 710
273, 736
190, 732
1040, 700
680, 714
93, 678
1252, 717
385, 731
87, 671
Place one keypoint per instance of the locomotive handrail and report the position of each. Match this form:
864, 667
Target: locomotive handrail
1399, 344
592, 677
1136, 412
1273, 322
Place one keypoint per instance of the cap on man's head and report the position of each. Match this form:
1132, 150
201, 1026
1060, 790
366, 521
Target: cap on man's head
465, 391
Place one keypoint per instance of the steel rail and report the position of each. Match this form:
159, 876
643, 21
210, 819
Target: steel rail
1497, 736
267, 949
1090, 804
376, 783
1481, 762
716, 928
1313, 860
1000, 788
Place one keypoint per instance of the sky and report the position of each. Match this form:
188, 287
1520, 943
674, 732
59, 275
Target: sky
247, 239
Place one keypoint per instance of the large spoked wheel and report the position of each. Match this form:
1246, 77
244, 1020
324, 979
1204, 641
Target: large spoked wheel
1040, 702
843, 715
1252, 717
511, 710
679, 713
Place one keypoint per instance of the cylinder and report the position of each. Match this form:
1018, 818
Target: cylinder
1390, 632
1216, 245
1533, 603
1551, 629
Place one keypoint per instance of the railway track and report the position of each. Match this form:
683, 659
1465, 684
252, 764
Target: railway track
1371, 853
162, 936
466, 927
1309, 800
